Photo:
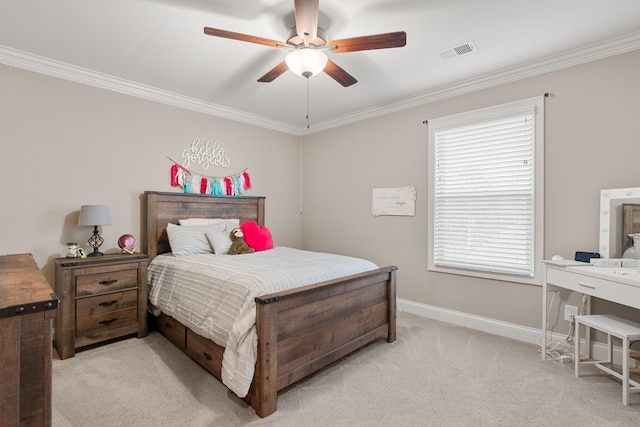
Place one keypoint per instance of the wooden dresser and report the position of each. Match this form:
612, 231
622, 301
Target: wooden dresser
101, 298
27, 308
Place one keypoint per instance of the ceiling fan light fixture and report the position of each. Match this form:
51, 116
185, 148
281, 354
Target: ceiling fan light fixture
306, 62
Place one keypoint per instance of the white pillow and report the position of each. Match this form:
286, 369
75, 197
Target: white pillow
230, 224
191, 240
220, 241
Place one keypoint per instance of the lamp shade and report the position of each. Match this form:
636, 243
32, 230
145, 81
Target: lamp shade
94, 215
306, 61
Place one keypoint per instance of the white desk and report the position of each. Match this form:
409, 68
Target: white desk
616, 284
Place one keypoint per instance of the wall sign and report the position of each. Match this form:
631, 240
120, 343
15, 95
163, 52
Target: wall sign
394, 201
208, 154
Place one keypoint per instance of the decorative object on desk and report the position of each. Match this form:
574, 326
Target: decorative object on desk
586, 256
95, 216
127, 243
633, 251
232, 185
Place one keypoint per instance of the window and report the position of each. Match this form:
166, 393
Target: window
486, 192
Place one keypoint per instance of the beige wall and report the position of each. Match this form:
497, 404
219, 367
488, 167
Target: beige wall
592, 142
65, 144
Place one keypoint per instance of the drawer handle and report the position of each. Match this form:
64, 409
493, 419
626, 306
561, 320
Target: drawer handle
108, 282
108, 322
207, 356
107, 303
585, 285
168, 325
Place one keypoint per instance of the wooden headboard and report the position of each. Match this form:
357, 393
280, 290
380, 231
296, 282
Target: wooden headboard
162, 208
630, 223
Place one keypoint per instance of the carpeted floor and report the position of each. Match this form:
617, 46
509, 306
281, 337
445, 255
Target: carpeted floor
436, 374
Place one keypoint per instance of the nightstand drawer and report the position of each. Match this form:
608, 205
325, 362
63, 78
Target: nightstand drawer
106, 303
100, 283
104, 321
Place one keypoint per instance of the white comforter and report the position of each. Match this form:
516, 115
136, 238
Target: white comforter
214, 295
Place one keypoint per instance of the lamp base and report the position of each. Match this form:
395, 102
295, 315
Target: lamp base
95, 242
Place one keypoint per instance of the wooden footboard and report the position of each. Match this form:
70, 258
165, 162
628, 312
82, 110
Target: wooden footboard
305, 329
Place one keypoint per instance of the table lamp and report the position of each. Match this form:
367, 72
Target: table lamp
95, 215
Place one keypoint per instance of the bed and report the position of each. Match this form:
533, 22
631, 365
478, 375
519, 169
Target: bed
299, 331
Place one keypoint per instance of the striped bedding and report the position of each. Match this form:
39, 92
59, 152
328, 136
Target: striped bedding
213, 295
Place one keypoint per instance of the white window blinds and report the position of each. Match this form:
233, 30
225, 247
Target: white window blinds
483, 194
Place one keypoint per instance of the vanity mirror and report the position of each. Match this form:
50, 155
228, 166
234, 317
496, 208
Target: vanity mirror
611, 201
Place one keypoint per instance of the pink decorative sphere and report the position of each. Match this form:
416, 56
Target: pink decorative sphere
127, 242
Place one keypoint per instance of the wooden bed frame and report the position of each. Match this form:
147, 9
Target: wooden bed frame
299, 331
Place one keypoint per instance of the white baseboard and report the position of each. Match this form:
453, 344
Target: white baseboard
496, 327
485, 324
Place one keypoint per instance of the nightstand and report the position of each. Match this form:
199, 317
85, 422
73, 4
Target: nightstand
101, 298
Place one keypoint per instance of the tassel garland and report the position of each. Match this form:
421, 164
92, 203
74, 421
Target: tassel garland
174, 175
247, 180
227, 184
233, 185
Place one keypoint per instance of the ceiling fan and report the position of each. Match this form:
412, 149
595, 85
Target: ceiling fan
308, 42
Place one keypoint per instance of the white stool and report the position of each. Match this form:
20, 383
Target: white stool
624, 329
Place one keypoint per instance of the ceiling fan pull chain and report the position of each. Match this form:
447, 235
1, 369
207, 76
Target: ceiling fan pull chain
307, 102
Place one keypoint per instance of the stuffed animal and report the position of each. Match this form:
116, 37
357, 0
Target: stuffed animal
238, 245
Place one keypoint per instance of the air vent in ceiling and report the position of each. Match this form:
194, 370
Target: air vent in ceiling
459, 50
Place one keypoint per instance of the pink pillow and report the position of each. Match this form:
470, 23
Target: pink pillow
257, 236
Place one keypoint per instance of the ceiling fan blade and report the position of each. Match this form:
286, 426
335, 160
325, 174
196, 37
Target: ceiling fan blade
216, 32
307, 12
376, 41
338, 74
274, 73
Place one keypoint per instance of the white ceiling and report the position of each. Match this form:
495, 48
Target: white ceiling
156, 49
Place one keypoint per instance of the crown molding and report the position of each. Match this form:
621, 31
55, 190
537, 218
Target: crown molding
62, 70
612, 47
42, 65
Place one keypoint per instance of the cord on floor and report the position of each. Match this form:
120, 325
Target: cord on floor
552, 352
